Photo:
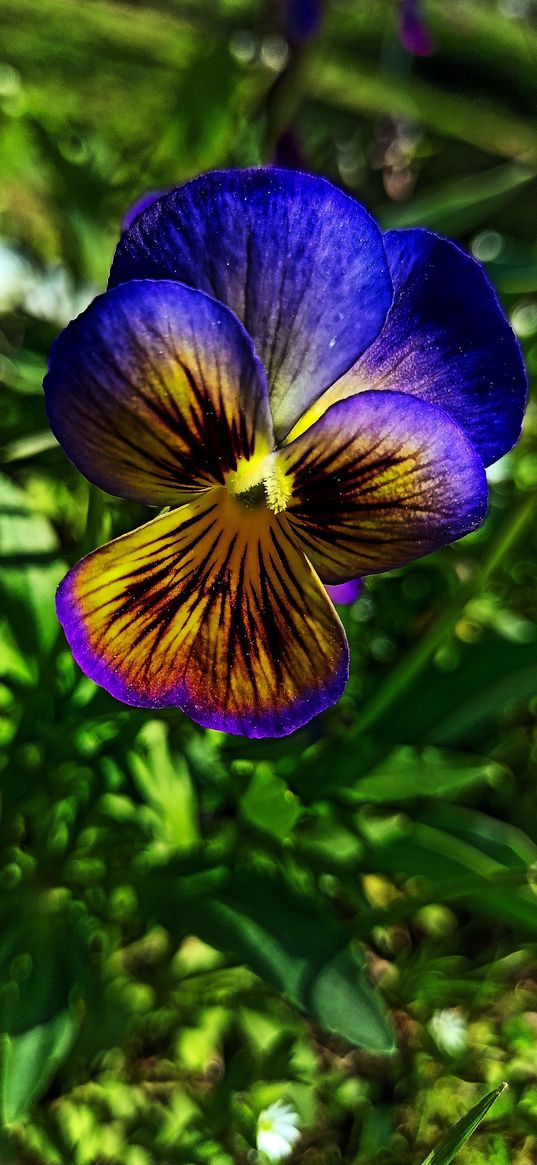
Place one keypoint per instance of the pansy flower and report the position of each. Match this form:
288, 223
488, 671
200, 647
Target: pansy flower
309, 400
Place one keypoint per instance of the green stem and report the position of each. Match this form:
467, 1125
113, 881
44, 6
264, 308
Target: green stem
419, 655
94, 519
284, 99
364, 89
7, 1149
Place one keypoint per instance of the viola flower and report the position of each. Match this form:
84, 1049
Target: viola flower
316, 402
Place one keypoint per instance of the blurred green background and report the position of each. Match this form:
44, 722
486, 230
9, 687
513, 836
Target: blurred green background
193, 926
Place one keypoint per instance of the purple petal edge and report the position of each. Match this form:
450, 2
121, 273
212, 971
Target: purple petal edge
97, 670
345, 593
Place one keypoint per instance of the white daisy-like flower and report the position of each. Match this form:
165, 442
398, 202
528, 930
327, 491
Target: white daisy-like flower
449, 1030
277, 1131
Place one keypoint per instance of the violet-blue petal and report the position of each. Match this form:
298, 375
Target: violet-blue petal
379, 480
447, 340
155, 393
141, 204
300, 263
343, 594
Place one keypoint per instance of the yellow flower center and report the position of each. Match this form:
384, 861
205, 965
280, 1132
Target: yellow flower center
260, 481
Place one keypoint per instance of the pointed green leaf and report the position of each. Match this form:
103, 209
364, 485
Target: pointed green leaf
409, 773
30, 571
165, 784
456, 708
464, 1128
287, 939
41, 969
28, 1062
269, 805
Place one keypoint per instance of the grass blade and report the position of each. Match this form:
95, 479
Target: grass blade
464, 1128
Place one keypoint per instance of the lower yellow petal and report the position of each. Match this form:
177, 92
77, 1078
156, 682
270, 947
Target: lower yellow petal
212, 608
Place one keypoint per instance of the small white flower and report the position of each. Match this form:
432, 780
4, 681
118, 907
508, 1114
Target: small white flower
449, 1031
277, 1131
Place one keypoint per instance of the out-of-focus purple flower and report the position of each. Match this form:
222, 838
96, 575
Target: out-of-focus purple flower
287, 153
302, 19
413, 32
345, 593
141, 204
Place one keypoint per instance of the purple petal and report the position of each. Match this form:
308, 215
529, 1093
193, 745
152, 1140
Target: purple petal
381, 479
299, 262
155, 392
141, 204
345, 593
447, 341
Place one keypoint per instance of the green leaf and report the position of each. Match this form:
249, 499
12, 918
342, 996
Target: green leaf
457, 707
269, 804
503, 842
211, 89
28, 446
29, 572
41, 968
166, 786
366, 90
464, 857
514, 270
462, 204
28, 1062
342, 1000
464, 1128
287, 939
408, 773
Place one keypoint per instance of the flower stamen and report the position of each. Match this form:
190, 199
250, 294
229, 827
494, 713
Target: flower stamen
261, 480
278, 485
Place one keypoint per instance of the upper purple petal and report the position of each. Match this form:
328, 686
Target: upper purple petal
155, 392
447, 340
141, 204
300, 263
